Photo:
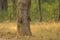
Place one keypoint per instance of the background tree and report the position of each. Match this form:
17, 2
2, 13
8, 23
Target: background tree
0, 6
40, 10
23, 21
14, 4
4, 5
59, 11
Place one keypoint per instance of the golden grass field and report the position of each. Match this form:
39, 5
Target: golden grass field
40, 31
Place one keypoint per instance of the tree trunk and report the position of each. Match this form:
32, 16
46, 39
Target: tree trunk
59, 11
4, 5
23, 19
40, 11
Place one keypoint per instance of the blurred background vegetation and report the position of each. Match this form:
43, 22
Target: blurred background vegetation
49, 9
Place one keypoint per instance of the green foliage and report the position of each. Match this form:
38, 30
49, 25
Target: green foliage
49, 11
34, 11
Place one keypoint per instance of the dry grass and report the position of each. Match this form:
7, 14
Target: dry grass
40, 31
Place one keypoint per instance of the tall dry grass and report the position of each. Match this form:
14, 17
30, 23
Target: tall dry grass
40, 31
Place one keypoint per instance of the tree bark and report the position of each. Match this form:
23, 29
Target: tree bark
23, 17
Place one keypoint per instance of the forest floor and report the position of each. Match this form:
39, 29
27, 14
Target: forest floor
40, 31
